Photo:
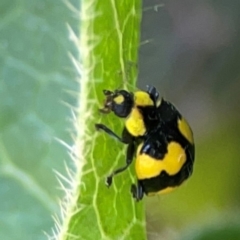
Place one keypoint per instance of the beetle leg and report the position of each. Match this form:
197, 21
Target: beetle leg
107, 130
137, 191
129, 159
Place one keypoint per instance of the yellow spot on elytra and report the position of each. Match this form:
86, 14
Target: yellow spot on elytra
185, 129
148, 167
142, 98
135, 124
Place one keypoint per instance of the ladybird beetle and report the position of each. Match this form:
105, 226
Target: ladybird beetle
158, 137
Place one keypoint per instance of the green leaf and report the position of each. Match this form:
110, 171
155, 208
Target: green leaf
34, 74
108, 45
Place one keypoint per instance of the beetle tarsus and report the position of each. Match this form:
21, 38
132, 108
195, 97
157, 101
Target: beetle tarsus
137, 192
108, 181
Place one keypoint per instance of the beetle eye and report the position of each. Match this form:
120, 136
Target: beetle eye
122, 103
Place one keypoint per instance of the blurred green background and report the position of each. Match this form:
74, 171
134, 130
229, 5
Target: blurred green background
192, 57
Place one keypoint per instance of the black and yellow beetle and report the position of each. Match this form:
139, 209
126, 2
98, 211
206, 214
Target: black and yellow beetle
159, 137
